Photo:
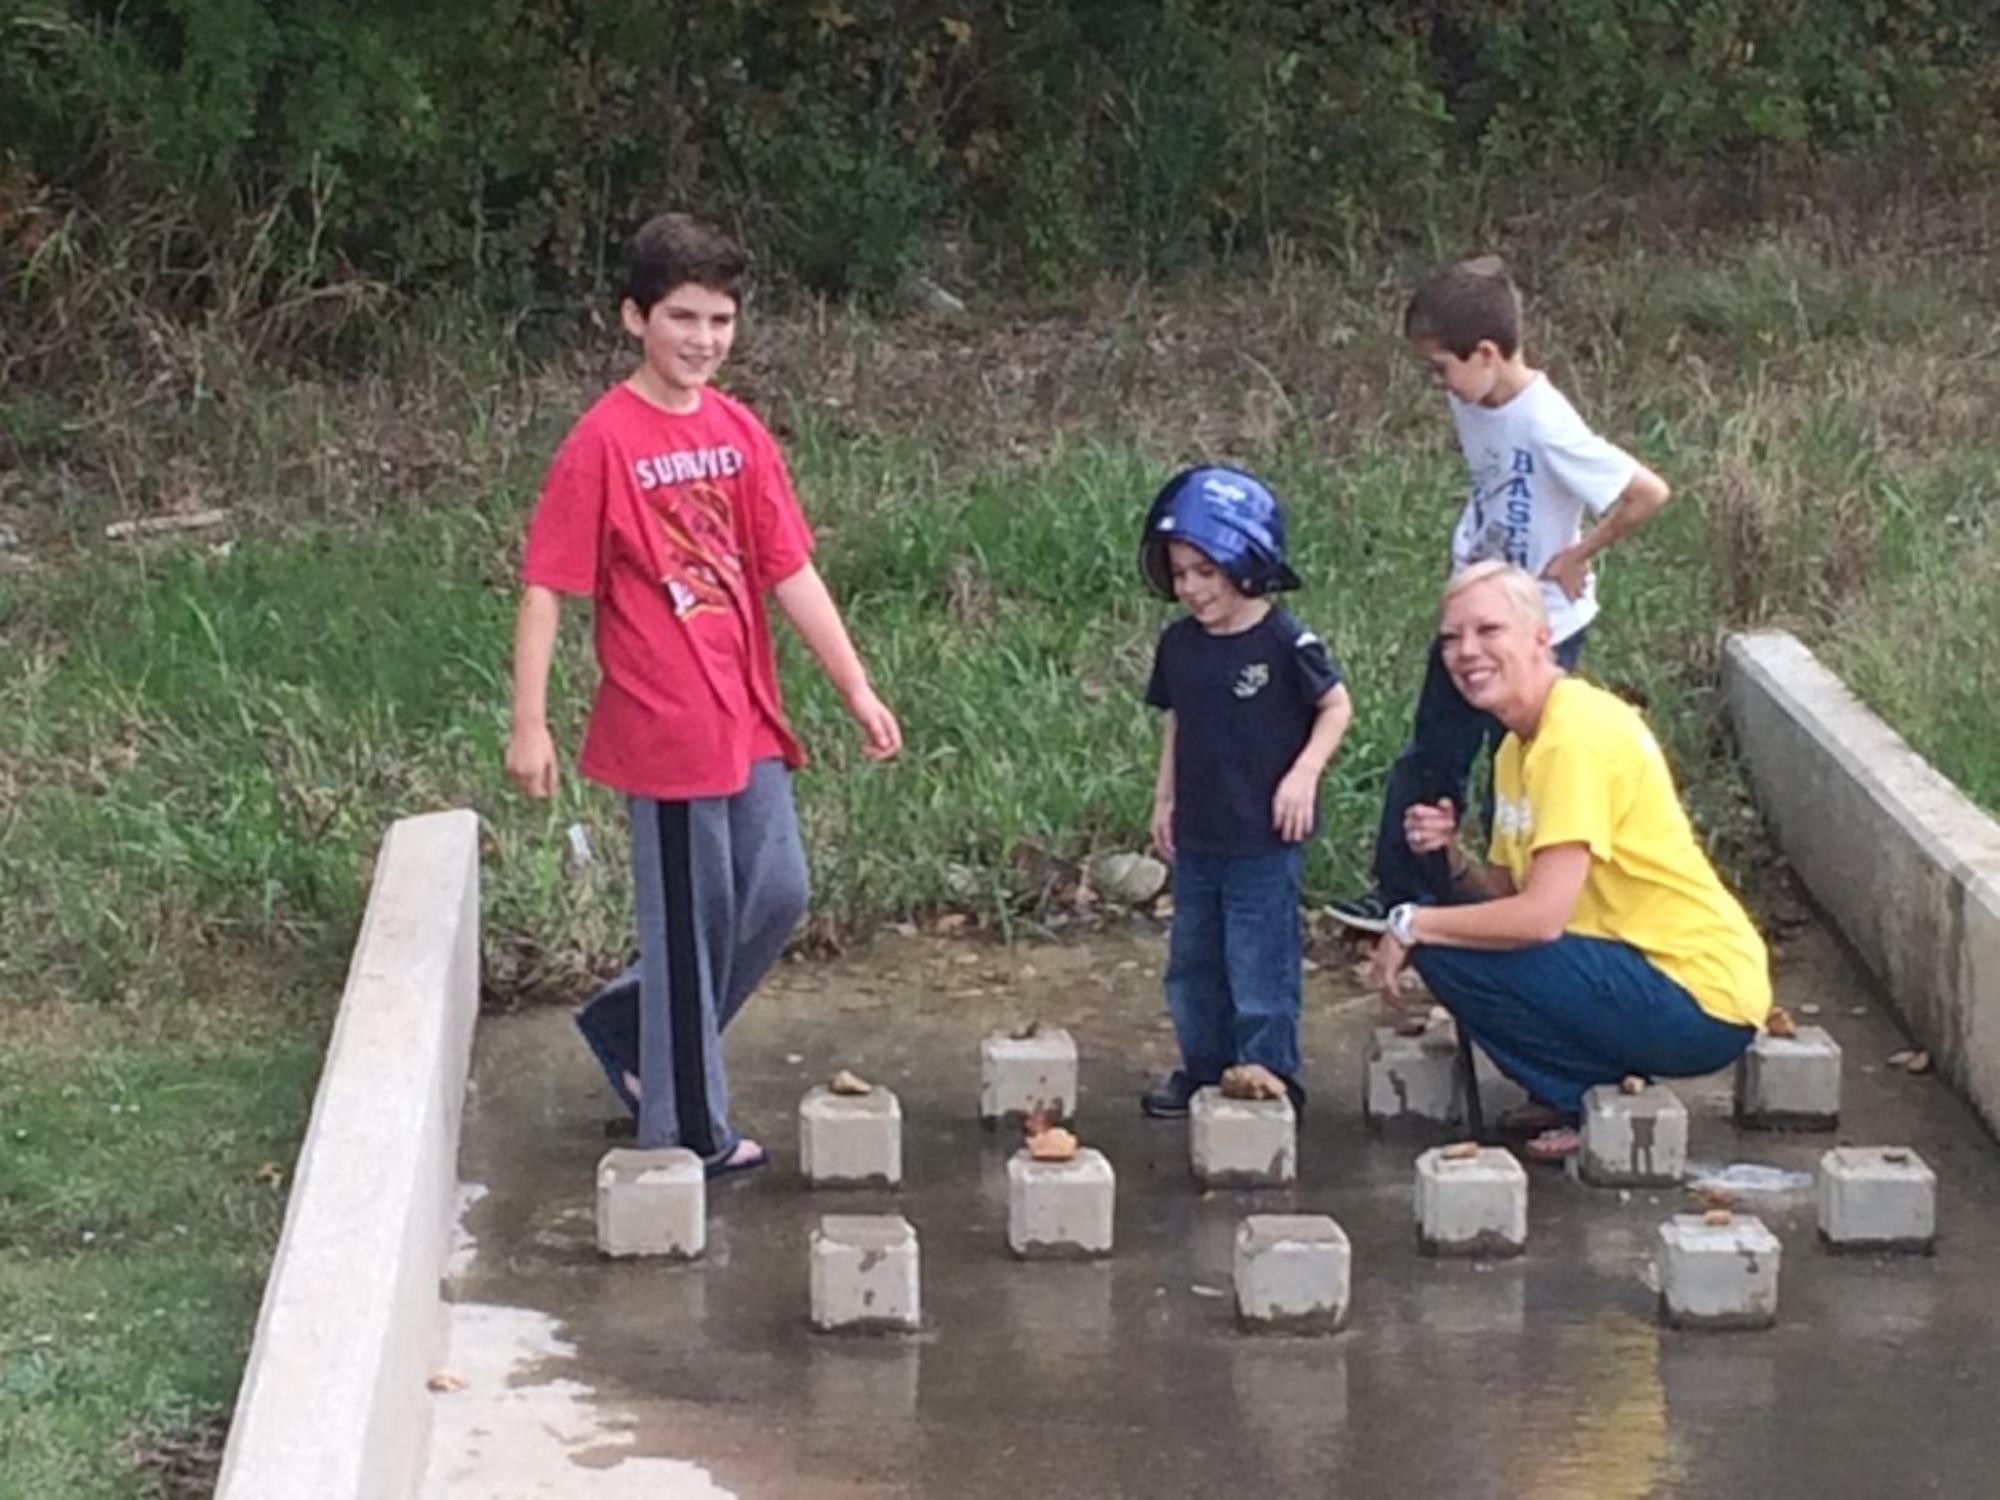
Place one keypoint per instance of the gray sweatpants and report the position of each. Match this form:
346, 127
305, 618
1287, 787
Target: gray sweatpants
718, 885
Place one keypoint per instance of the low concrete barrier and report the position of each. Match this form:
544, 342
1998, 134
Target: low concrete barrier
333, 1405
1900, 859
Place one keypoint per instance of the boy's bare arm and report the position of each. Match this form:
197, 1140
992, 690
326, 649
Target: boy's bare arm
1298, 792
1636, 504
1163, 791
531, 753
804, 601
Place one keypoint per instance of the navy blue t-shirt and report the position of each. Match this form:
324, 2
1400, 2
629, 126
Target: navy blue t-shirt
1243, 709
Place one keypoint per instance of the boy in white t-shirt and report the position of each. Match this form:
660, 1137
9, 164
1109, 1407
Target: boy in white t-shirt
1535, 469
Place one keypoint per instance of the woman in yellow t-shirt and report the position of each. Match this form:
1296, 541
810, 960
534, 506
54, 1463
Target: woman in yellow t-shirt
1597, 941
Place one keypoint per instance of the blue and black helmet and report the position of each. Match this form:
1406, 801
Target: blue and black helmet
1230, 517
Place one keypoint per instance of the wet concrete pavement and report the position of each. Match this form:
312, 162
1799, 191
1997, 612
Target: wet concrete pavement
1548, 1376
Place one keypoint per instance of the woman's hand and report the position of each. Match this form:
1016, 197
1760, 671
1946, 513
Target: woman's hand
1430, 826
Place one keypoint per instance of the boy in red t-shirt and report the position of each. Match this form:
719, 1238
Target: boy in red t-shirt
669, 506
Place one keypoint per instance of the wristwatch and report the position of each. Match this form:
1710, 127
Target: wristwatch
1400, 917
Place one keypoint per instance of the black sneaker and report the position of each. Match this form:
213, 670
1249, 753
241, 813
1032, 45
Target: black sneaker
1168, 1099
1367, 912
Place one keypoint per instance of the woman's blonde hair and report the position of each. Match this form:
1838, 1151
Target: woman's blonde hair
1517, 585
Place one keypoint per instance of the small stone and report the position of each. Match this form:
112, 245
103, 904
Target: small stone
1252, 1081
1919, 1062
1459, 1151
1024, 1033
1900, 1059
1717, 1217
1055, 1144
1896, 1158
1632, 1083
848, 1083
444, 1383
1780, 1023
1809, 1010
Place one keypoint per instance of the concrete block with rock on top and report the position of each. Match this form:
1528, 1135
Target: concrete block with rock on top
1790, 1082
1718, 1270
851, 1140
1033, 1073
1293, 1273
1061, 1210
652, 1203
865, 1274
1242, 1142
1633, 1137
1471, 1200
1877, 1199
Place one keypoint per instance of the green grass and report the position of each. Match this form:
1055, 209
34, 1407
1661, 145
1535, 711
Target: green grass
200, 747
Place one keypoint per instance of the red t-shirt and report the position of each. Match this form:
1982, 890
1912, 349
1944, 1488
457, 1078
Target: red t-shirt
675, 524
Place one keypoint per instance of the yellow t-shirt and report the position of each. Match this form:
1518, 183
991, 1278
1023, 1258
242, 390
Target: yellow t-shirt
1594, 775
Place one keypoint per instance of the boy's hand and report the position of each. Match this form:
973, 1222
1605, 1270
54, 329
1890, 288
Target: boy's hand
1569, 570
881, 735
1292, 806
531, 760
1163, 827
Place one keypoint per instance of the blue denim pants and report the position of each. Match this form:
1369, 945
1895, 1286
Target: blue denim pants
1232, 980
1445, 740
1563, 1017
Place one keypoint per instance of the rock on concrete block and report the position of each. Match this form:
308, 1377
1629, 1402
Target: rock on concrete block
1790, 1083
1242, 1142
1060, 1210
1412, 1078
1471, 1205
851, 1140
652, 1203
1293, 1273
1023, 1075
1722, 1275
864, 1274
1877, 1198
1634, 1140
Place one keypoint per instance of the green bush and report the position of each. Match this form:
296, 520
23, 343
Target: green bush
236, 156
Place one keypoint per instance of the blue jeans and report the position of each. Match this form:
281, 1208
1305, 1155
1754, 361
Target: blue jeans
1233, 962
1446, 739
1563, 1017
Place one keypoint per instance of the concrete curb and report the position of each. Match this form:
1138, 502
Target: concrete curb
1901, 860
332, 1404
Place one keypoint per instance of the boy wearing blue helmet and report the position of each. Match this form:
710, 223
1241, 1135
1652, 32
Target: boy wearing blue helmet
1254, 711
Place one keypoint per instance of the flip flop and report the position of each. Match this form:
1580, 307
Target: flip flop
736, 1161
1558, 1144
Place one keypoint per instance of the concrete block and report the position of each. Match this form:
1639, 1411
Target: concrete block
1718, 1275
1634, 1140
1412, 1078
1060, 1210
1471, 1205
1293, 1273
1242, 1142
864, 1274
1877, 1198
1023, 1075
1790, 1083
652, 1203
851, 1140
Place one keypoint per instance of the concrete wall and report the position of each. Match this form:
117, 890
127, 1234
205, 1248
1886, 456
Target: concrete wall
1895, 854
333, 1404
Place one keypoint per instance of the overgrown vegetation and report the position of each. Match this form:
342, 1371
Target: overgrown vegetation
236, 154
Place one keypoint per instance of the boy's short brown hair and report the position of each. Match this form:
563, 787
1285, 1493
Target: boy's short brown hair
1467, 304
673, 250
